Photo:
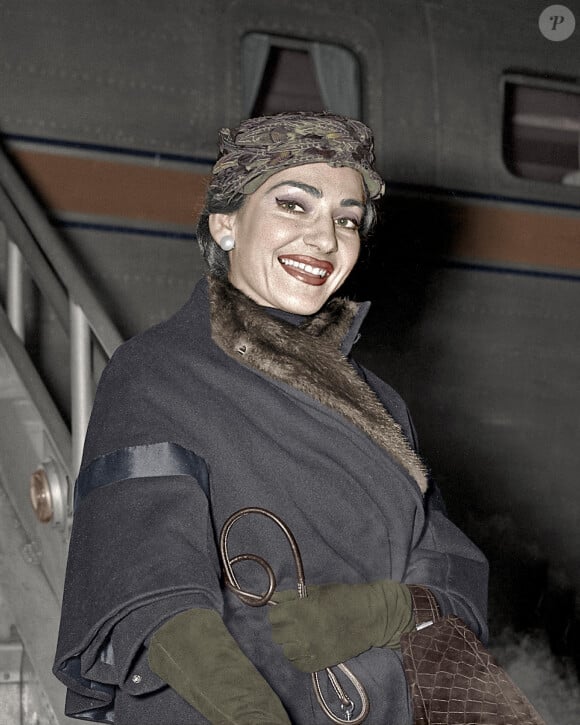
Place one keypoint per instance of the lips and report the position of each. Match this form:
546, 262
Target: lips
306, 269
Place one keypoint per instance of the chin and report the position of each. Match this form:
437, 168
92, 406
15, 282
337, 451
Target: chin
303, 307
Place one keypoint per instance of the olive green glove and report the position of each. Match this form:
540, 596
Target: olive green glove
338, 621
196, 655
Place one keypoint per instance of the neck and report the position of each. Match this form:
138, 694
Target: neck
292, 318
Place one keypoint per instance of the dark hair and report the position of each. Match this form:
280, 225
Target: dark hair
216, 259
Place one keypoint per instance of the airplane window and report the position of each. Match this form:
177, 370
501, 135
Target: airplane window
288, 74
542, 132
288, 84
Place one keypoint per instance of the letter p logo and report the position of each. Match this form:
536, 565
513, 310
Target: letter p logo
557, 22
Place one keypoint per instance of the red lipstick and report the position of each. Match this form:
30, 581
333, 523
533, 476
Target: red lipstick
306, 269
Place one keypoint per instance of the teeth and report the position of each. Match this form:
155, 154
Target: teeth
304, 267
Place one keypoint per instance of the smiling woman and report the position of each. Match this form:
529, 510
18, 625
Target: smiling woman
296, 237
247, 401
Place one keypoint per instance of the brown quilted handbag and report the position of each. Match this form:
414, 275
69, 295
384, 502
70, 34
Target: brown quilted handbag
452, 678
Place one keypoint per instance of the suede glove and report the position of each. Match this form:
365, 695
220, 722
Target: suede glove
196, 655
338, 621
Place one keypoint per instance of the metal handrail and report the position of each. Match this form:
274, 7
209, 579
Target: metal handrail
20, 237
57, 253
14, 287
35, 387
31, 239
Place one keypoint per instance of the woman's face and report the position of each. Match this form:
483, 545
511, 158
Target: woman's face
296, 237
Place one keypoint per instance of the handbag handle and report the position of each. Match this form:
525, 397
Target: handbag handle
425, 608
259, 600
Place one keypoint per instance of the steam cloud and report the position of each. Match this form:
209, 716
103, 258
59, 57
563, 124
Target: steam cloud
533, 618
549, 682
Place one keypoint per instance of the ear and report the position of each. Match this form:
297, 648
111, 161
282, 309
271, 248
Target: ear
220, 225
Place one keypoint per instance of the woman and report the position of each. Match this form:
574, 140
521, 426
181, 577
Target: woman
248, 397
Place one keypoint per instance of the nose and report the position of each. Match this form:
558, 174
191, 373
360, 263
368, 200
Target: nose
321, 235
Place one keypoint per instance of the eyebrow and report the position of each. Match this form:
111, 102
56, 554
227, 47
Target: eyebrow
313, 191
352, 202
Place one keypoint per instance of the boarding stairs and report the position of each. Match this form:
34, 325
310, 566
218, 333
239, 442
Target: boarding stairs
42, 428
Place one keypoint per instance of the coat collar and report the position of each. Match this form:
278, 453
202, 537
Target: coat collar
352, 335
311, 358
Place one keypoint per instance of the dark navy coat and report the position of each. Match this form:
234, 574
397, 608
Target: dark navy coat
182, 434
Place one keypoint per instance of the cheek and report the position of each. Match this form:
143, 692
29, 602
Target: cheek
275, 232
252, 237
351, 255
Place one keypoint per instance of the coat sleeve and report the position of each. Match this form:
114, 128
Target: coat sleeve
443, 559
141, 549
451, 566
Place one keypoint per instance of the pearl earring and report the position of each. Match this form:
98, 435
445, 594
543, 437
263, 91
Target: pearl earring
227, 243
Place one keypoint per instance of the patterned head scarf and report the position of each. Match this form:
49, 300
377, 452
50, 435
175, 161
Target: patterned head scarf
262, 146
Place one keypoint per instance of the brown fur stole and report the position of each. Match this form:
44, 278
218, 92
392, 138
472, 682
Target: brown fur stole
308, 358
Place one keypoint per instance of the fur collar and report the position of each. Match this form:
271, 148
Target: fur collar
308, 358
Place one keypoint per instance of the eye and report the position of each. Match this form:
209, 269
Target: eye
290, 205
347, 223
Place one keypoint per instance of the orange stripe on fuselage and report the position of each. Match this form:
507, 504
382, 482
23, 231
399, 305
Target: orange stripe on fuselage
140, 192
114, 189
523, 236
